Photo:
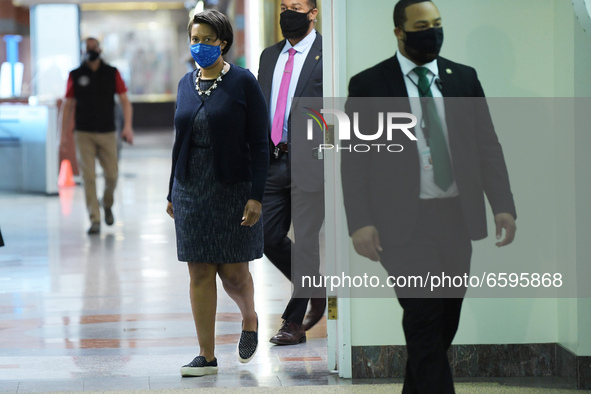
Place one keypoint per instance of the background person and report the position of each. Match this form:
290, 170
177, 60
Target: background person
410, 215
219, 168
90, 91
293, 68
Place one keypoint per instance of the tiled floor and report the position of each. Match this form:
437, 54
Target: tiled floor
111, 312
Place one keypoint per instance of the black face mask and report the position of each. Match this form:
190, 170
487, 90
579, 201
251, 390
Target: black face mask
92, 55
294, 24
424, 46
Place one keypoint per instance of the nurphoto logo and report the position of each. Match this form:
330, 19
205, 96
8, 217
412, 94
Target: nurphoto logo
390, 119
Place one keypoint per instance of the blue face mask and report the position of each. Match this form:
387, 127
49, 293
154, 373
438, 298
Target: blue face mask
205, 55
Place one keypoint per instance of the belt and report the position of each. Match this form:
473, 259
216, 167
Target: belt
440, 204
281, 148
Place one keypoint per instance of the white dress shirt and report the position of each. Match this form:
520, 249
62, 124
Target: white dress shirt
428, 187
302, 48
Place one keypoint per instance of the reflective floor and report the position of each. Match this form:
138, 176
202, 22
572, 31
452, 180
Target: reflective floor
76, 309
111, 312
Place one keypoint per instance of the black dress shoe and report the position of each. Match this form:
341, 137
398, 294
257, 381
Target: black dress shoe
95, 228
290, 333
318, 305
109, 218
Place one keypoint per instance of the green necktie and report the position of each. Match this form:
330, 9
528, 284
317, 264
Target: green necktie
442, 171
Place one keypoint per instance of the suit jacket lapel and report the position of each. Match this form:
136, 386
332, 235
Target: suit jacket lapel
268, 68
449, 91
312, 60
395, 78
446, 75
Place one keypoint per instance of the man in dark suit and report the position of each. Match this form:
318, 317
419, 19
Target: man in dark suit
417, 210
288, 69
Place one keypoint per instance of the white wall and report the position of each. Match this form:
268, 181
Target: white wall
55, 48
582, 143
564, 82
509, 43
520, 48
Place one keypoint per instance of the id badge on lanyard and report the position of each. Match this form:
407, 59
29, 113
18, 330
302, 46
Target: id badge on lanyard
426, 161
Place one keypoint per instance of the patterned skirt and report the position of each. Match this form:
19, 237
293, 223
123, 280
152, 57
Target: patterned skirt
208, 213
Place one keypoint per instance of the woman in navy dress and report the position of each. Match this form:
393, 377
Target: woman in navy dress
219, 170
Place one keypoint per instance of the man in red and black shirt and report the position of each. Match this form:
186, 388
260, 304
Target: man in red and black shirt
91, 90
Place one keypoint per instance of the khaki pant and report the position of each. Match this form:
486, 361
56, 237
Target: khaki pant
104, 147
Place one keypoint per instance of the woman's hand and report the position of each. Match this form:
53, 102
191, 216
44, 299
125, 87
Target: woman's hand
169, 210
252, 213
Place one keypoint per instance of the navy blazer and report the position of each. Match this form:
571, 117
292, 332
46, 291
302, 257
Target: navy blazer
382, 189
238, 119
306, 172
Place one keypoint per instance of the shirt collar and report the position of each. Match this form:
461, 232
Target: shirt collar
302, 45
407, 65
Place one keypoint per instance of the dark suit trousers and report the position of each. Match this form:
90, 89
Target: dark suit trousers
440, 243
280, 200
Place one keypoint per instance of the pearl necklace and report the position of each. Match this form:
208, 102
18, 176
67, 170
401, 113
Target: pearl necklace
215, 83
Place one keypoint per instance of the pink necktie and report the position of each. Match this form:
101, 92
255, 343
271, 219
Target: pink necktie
279, 117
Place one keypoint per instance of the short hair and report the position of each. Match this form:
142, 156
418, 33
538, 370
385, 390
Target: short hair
218, 22
312, 3
400, 11
92, 39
